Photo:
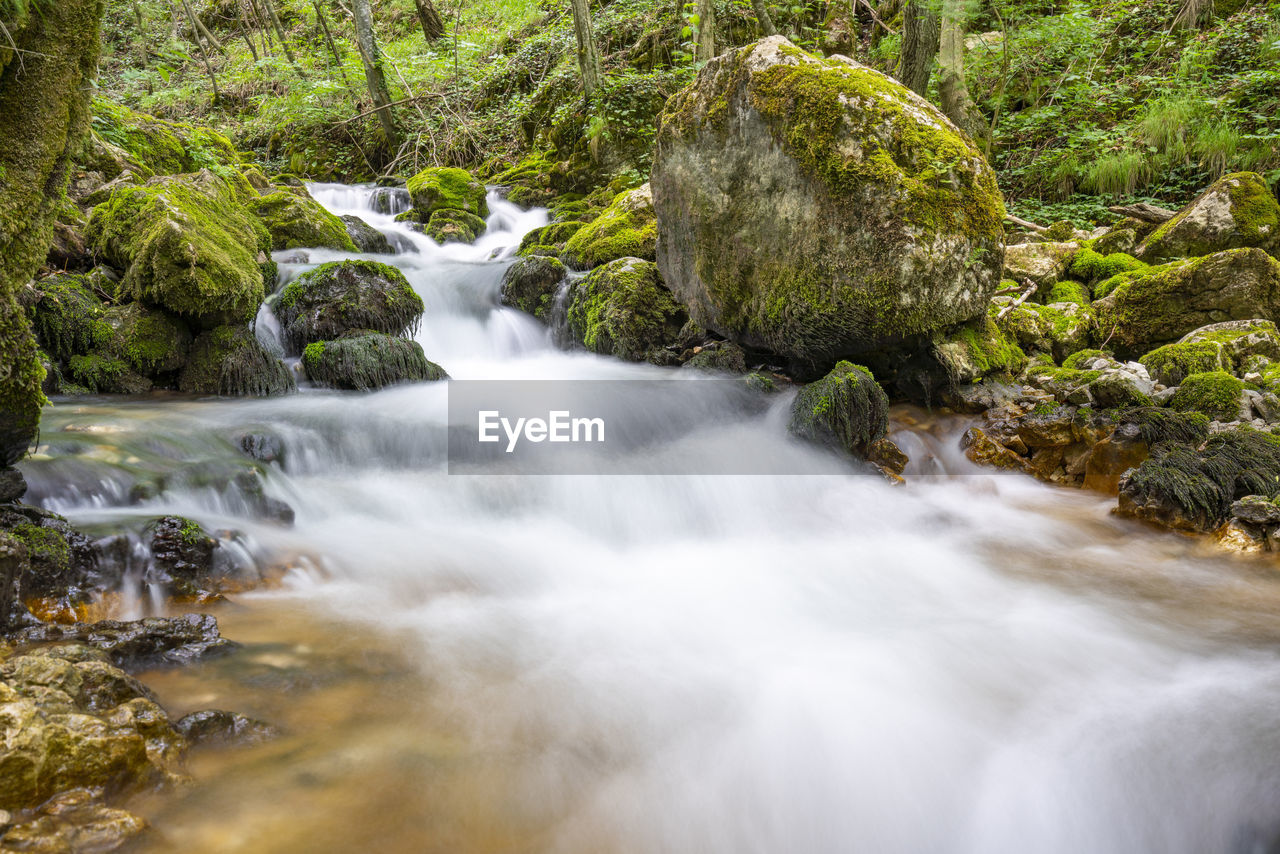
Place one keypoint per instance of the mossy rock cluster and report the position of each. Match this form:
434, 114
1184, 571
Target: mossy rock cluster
365, 361
1237, 211
297, 221
846, 410
814, 208
623, 309
342, 296
628, 228
446, 188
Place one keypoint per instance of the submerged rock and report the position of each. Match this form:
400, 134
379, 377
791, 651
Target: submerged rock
531, 285
845, 410
364, 361
343, 296
623, 309
803, 209
214, 726
1237, 211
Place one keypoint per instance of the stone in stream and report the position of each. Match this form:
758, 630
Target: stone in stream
814, 208
215, 726
623, 309
141, 644
628, 228
295, 220
531, 285
344, 296
230, 361
845, 410
450, 226
445, 188
367, 238
365, 361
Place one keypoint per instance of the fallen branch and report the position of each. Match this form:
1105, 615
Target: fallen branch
1031, 289
1022, 223
876, 18
384, 106
1144, 212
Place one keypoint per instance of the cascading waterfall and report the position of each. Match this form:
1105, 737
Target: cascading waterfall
821, 663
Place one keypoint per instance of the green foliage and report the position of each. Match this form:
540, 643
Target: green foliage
1214, 393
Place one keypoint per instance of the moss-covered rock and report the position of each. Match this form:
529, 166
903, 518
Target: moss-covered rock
297, 221
846, 410
443, 188
1058, 330
1173, 363
453, 226
531, 285
1242, 340
153, 146
722, 357
1069, 292
188, 244
365, 237
68, 316
47, 62
978, 350
1214, 393
1124, 237
550, 239
231, 362
628, 228
1237, 211
1088, 265
1042, 263
1148, 308
342, 296
815, 208
363, 361
623, 309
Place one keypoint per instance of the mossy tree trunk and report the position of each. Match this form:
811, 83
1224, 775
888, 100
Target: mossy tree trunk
44, 116
920, 39
429, 19
204, 54
956, 102
705, 49
588, 58
374, 79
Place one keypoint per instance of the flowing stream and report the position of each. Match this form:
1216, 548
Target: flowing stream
727, 664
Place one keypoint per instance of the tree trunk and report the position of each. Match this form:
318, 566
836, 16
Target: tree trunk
275, 25
706, 46
198, 26
920, 39
328, 38
761, 8
204, 54
429, 18
588, 59
956, 103
371, 56
264, 26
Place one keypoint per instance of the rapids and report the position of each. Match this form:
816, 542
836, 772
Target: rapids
768, 663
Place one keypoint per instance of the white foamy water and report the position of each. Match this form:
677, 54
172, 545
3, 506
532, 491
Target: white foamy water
724, 664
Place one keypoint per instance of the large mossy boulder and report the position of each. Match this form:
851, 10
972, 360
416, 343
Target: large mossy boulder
1041, 263
297, 221
188, 244
445, 188
531, 285
1145, 309
628, 228
978, 350
815, 208
846, 410
364, 361
126, 139
48, 60
342, 296
230, 361
1237, 211
623, 309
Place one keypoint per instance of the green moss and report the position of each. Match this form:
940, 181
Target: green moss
1089, 266
846, 410
229, 361
1075, 360
152, 342
187, 244
47, 549
161, 147
628, 228
454, 226
1157, 425
978, 350
341, 296
295, 221
68, 317
365, 361
1173, 363
444, 188
1214, 393
105, 374
622, 309
1070, 292
1060, 230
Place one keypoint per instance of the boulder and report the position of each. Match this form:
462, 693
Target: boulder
1173, 363
979, 349
1237, 211
188, 244
1041, 263
367, 238
342, 296
1217, 394
297, 221
1147, 308
141, 644
215, 726
846, 410
627, 228
444, 188
1058, 329
815, 208
230, 361
181, 555
623, 309
1240, 339
451, 226
531, 285
364, 361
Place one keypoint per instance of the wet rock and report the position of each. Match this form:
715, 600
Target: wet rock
367, 238
12, 485
368, 361
140, 644
980, 349
985, 451
182, 555
531, 285
846, 410
785, 220
1256, 510
445, 188
345, 296
74, 828
295, 220
623, 309
450, 226
230, 361
887, 455
1115, 455
263, 447
214, 726
60, 560
628, 228
718, 356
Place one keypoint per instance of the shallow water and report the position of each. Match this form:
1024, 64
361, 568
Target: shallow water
819, 663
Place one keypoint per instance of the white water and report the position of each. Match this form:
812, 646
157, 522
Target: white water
737, 664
